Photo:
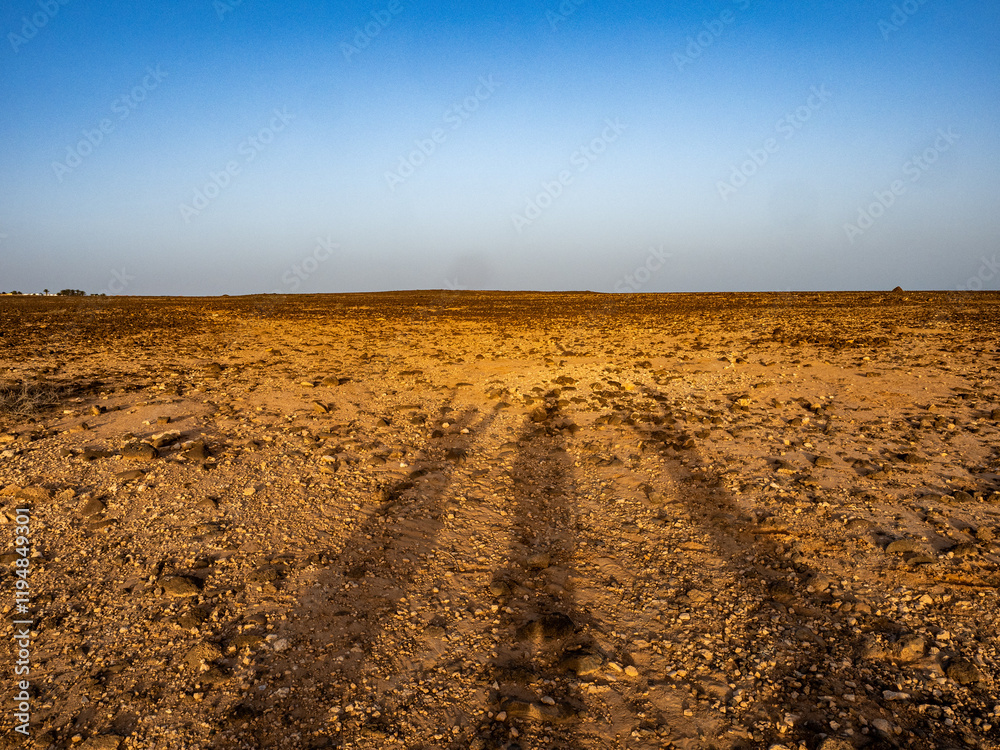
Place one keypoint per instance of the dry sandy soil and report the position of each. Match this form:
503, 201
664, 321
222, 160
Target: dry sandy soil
485, 520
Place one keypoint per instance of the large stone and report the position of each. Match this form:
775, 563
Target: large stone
139, 452
964, 672
909, 647
203, 653
178, 586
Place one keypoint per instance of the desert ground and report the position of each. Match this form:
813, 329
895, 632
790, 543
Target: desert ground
492, 520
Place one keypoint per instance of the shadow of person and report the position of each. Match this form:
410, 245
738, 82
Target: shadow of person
345, 640
535, 695
790, 637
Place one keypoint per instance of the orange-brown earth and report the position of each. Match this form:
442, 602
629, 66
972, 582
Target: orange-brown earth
487, 520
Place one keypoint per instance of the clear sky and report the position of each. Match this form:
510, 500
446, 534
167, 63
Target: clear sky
243, 146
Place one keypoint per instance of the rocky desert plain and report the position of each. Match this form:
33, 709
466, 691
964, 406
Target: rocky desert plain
501, 520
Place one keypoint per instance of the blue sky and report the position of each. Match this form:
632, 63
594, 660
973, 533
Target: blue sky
240, 147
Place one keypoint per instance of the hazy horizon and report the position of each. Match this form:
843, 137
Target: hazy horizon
237, 147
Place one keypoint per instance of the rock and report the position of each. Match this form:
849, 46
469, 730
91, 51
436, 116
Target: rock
882, 725
320, 407
537, 711
820, 582
964, 672
246, 641
202, 654
92, 454
139, 452
714, 688
103, 742
178, 586
906, 547
697, 596
92, 507
208, 504
584, 664
131, 475
457, 455
823, 462
909, 647
195, 450
33, 494
191, 620
538, 414
163, 420
164, 439
539, 561
281, 644
555, 625
965, 550
97, 410
499, 588
914, 459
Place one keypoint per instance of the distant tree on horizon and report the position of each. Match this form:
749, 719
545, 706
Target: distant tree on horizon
46, 291
70, 293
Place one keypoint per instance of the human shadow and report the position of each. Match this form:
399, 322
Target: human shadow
811, 631
325, 684
543, 635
